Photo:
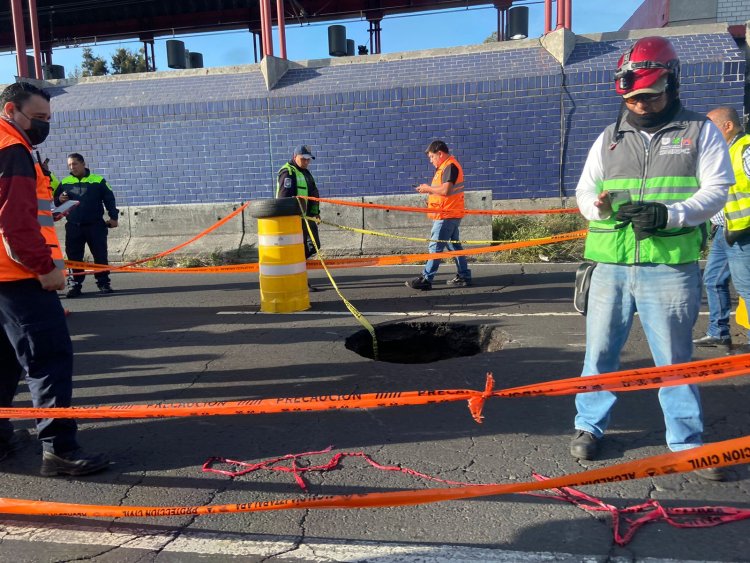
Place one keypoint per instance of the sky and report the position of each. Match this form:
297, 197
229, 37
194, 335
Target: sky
449, 28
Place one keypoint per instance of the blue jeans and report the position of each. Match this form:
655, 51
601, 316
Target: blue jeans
738, 256
667, 299
716, 281
445, 229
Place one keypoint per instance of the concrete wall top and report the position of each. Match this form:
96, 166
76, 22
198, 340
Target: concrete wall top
444, 68
245, 85
694, 44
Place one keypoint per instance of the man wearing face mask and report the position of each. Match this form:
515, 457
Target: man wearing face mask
34, 340
668, 170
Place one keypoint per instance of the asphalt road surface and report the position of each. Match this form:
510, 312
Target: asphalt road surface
189, 338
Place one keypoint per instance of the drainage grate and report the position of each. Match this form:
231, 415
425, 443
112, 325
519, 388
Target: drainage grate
423, 343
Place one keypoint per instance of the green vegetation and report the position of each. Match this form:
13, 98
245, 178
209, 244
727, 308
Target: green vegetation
243, 255
525, 227
123, 61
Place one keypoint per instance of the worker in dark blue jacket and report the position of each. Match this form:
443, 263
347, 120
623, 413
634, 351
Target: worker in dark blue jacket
85, 223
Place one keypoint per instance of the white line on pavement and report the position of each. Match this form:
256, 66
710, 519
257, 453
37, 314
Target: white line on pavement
282, 547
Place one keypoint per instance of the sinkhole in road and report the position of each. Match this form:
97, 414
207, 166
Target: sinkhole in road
423, 343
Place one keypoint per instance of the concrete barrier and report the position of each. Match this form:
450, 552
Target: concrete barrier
412, 224
117, 238
340, 242
154, 229
146, 231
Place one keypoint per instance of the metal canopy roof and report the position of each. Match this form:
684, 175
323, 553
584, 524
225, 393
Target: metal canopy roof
71, 22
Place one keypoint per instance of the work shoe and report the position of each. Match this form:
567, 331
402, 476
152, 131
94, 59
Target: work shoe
712, 473
421, 283
106, 288
76, 462
17, 441
458, 281
712, 341
584, 445
74, 291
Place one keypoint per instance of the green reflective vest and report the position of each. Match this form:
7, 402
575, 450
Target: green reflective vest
662, 170
53, 182
737, 209
311, 207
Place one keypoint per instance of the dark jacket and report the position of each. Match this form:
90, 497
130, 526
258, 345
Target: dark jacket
287, 186
94, 194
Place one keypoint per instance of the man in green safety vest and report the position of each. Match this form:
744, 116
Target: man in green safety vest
733, 240
650, 182
294, 179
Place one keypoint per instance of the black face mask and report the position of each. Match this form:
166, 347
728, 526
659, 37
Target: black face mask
39, 130
652, 122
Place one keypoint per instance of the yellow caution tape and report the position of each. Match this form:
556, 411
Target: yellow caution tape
352, 309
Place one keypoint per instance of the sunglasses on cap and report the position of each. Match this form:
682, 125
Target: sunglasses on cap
643, 98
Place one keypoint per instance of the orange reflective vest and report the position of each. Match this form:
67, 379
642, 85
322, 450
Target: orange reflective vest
10, 268
449, 206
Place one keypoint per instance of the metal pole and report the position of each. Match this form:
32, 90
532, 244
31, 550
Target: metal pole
34, 20
267, 27
569, 14
560, 14
499, 23
262, 5
547, 16
282, 32
20, 37
153, 57
146, 55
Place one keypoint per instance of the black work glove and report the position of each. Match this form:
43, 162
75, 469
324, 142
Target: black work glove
646, 218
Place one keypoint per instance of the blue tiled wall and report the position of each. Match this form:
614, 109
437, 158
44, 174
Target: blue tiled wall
519, 124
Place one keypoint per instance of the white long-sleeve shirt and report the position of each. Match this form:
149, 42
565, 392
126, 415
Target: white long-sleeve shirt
714, 173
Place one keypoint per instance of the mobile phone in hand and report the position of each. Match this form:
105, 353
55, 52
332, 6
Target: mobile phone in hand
618, 198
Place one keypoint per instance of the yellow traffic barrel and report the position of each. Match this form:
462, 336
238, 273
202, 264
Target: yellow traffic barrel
281, 256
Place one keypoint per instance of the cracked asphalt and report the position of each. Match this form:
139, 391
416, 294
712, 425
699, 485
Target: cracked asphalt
185, 338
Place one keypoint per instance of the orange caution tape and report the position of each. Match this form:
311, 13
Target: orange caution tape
73, 264
339, 262
129, 269
629, 380
89, 268
720, 454
426, 210
640, 378
410, 258
624, 524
